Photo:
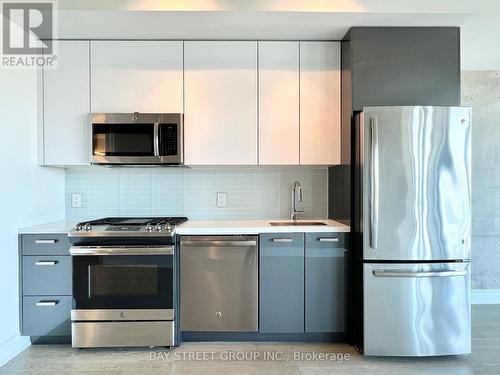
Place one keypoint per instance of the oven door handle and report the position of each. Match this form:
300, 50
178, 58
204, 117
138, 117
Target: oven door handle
121, 250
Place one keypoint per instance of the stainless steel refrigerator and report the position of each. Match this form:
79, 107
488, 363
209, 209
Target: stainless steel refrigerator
412, 231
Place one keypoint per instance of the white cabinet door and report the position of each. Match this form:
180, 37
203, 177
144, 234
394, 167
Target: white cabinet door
279, 103
66, 107
320, 103
220, 102
136, 76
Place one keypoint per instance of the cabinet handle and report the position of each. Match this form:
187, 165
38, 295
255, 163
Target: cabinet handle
282, 240
46, 262
328, 239
47, 303
45, 242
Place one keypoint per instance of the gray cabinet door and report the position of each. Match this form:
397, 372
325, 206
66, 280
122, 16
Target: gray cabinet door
324, 282
281, 307
47, 275
46, 316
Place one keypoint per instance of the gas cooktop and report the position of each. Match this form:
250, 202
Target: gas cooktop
128, 226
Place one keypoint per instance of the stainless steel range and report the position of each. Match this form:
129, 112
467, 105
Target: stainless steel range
124, 282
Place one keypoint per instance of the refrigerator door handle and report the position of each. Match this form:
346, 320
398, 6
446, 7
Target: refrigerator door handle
447, 273
374, 183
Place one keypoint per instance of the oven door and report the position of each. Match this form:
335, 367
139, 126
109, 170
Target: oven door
123, 278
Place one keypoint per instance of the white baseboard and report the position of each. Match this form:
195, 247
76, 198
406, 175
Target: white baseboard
12, 347
485, 296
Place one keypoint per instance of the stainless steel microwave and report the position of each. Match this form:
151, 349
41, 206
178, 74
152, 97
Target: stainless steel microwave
137, 138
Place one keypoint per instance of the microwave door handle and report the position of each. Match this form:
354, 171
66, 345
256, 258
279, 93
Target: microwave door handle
156, 140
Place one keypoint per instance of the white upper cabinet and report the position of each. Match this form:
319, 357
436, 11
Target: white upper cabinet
320, 103
220, 81
279, 103
137, 76
65, 104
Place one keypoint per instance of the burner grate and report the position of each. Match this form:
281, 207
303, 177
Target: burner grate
135, 221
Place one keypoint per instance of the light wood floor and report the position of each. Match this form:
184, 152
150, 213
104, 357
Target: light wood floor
54, 359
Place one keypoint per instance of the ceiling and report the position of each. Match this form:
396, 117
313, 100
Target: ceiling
281, 19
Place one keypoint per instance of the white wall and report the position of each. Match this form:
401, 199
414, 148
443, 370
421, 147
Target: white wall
29, 194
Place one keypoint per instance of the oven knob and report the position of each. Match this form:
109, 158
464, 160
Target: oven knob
78, 228
149, 228
158, 228
168, 227
87, 228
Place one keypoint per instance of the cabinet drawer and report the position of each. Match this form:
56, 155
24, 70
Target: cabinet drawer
45, 244
46, 316
47, 275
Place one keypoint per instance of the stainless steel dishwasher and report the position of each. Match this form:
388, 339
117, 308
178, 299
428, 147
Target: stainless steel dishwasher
219, 283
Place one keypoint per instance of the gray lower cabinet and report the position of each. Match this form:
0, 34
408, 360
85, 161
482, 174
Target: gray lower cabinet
281, 300
324, 282
47, 275
47, 316
302, 283
46, 285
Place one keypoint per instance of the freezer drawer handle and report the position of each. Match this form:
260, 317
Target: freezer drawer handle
45, 242
419, 274
46, 262
218, 243
328, 239
47, 303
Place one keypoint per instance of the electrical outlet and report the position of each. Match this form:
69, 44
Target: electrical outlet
221, 199
76, 200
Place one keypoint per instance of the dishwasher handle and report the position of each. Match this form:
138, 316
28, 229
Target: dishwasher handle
232, 243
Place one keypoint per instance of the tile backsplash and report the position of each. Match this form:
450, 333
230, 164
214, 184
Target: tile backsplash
252, 193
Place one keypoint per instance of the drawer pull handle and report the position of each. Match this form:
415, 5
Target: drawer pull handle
45, 242
328, 239
282, 240
47, 303
46, 262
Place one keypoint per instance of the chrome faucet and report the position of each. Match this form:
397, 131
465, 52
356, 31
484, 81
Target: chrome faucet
297, 205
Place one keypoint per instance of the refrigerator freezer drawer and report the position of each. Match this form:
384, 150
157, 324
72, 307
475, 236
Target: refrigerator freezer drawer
419, 309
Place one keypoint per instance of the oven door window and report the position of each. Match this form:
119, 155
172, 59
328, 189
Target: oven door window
123, 282
123, 139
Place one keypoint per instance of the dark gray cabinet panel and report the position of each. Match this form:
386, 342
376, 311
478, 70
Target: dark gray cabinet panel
47, 275
281, 298
324, 282
45, 244
46, 316
404, 66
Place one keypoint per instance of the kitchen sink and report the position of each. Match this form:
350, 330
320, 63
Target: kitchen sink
295, 222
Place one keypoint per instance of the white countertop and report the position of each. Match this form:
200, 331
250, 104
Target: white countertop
227, 227
210, 227
55, 227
